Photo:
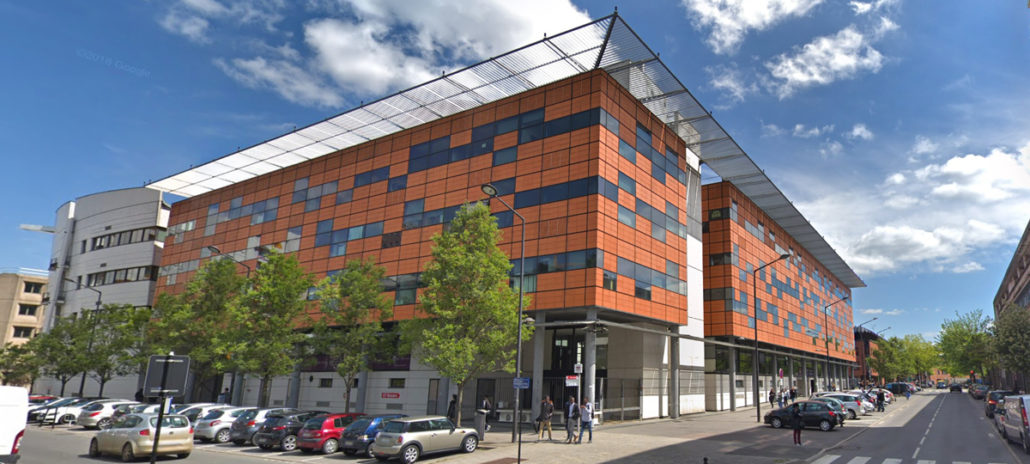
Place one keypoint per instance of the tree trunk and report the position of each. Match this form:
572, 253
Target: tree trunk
102, 383
64, 382
266, 391
457, 405
346, 398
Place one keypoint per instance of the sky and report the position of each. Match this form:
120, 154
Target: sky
900, 130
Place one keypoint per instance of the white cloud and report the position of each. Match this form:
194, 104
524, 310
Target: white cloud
831, 148
803, 132
191, 18
730, 20
901, 202
896, 179
971, 266
771, 130
923, 145
732, 83
294, 83
860, 131
861, 8
881, 312
822, 61
871, 311
192, 27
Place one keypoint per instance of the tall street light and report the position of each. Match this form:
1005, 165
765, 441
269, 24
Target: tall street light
491, 191
826, 338
754, 360
93, 328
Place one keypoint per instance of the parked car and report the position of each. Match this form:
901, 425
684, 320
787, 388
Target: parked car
14, 407
999, 415
837, 405
152, 409
854, 404
244, 427
978, 391
182, 408
123, 409
411, 437
216, 424
133, 435
324, 432
193, 413
68, 413
898, 388
36, 412
1015, 426
36, 400
941, 385
98, 414
813, 414
359, 436
280, 430
991, 400
956, 387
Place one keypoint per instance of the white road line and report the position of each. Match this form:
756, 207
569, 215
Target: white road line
932, 419
926, 461
916, 453
921, 440
826, 459
859, 460
892, 461
961, 462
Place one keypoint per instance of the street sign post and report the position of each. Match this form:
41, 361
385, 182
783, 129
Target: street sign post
521, 383
166, 376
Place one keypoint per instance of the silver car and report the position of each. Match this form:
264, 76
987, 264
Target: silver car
410, 437
215, 425
98, 415
133, 435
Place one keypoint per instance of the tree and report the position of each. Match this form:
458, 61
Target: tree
114, 331
888, 359
263, 338
1011, 339
19, 365
965, 343
471, 309
198, 323
922, 356
61, 351
350, 328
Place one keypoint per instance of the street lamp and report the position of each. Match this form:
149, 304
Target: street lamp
754, 360
93, 328
491, 191
826, 338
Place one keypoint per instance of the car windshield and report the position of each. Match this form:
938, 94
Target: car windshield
394, 427
358, 425
315, 423
997, 395
94, 407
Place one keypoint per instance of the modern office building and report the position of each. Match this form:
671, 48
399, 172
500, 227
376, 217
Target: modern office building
865, 345
586, 133
21, 304
770, 276
106, 250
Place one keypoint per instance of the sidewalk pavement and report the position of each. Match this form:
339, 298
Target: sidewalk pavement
719, 437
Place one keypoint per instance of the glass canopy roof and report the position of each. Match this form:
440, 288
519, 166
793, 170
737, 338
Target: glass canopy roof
607, 43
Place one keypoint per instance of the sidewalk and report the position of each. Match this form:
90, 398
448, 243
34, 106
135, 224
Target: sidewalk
721, 437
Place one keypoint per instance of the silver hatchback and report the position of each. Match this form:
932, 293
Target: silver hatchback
410, 437
133, 435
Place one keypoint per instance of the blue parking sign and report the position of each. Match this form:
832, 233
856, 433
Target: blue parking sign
520, 383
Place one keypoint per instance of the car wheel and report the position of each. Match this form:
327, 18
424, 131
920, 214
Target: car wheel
825, 425
103, 423
330, 446
127, 454
776, 423
94, 448
469, 444
852, 414
222, 436
288, 443
369, 451
409, 454
182, 455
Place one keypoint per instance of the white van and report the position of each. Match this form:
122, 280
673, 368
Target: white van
1015, 425
14, 409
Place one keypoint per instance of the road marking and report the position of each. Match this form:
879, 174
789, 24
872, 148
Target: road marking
921, 440
916, 453
826, 459
961, 462
892, 461
859, 460
926, 461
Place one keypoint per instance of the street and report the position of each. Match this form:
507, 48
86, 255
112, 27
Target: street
931, 428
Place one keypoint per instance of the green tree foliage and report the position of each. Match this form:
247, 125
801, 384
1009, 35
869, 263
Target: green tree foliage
1011, 339
198, 322
471, 311
888, 359
62, 350
965, 343
19, 365
349, 330
113, 333
262, 335
921, 355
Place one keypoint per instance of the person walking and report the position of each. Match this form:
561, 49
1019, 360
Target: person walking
586, 416
796, 421
793, 394
880, 398
571, 416
772, 397
546, 412
784, 397
223, 397
486, 405
452, 409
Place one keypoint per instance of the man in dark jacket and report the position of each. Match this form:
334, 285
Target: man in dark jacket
546, 412
880, 398
571, 415
796, 420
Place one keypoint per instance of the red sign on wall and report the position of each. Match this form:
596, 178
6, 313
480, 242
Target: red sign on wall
391, 395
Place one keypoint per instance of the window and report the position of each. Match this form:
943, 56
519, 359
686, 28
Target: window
33, 287
642, 290
396, 383
505, 156
344, 196
27, 310
391, 240
405, 296
414, 206
610, 280
22, 332
325, 383
292, 239
627, 217
530, 281
397, 183
628, 184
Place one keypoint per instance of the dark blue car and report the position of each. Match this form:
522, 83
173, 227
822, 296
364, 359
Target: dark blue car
358, 437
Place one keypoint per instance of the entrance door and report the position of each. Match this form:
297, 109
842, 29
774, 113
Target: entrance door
811, 387
432, 404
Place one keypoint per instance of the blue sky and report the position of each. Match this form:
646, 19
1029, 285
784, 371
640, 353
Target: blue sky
901, 132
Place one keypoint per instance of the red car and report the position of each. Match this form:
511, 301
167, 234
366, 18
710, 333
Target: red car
323, 432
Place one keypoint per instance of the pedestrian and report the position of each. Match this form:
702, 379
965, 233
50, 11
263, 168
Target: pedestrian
546, 412
796, 421
784, 397
779, 399
223, 397
571, 416
487, 406
586, 416
793, 394
452, 410
908, 393
772, 397
880, 398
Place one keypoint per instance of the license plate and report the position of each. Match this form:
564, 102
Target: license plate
348, 443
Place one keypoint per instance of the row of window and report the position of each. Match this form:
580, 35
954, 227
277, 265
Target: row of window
337, 239
260, 212
118, 276
660, 164
568, 190
646, 277
148, 234
569, 261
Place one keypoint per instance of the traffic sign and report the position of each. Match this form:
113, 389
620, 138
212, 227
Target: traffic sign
166, 375
578, 368
571, 380
521, 383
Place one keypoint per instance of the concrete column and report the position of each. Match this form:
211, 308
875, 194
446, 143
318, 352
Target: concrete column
293, 395
539, 343
790, 373
590, 359
674, 375
357, 395
775, 371
237, 389
803, 388
733, 378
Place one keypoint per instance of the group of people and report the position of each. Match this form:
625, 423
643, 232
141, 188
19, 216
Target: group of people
783, 397
574, 413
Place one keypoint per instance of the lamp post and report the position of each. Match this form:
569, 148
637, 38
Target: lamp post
491, 191
862, 362
92, 330
754, 360
232, 382
826, 338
